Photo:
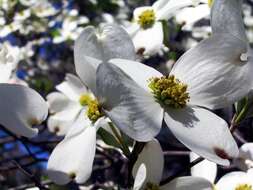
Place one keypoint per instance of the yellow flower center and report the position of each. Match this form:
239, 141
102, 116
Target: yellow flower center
85, 99
169, 91
210, 3
94, 108
244, 187
94, 111
151, 186
146, 19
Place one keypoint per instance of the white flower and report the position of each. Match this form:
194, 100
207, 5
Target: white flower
148, 171
67, 104
236, 181
231, 181
43, 9
244, 161
206, 72
20, 106
147, 30
79, 143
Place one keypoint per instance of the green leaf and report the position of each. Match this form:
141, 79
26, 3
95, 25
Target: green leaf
108, 138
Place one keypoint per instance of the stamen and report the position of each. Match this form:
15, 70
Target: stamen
85, 99
146, 19
169, 91
210, 3
151, 186
244, 187
94, 111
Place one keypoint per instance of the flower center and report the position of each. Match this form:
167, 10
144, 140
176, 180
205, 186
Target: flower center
146, 19
210, 3
169, 91
151, 186
244, 187
94, 111
85, 99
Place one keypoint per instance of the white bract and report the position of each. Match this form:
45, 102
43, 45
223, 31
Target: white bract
91, 49
66, 105
209, 75
231, 181
20, 106
148, 171
147, 30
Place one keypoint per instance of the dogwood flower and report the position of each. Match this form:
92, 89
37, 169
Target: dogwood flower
20, 106
91, 48
237, 180
147, 30
209, 75
148, 172
66, 105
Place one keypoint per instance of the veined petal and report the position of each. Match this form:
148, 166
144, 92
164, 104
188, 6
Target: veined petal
202, 132
226, 17
233, 180
149, 41
171, 7
139, 72
62, 168
213, 70
140, 177
57, 102
204, 169
92, 47
188, 183
130, 107
72, 87
21, 108
152, 157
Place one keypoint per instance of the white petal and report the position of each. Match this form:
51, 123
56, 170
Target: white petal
91, 48
139, 72
149, 41
20, 108
5, 71
204, 169
60, 122
214, 73
226, 17
130, 107
73, 156
188, 183
202, 132
232, 180
57, 102
72, 87
159, 4
171, 7
152, 157
140, 177
190, 15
